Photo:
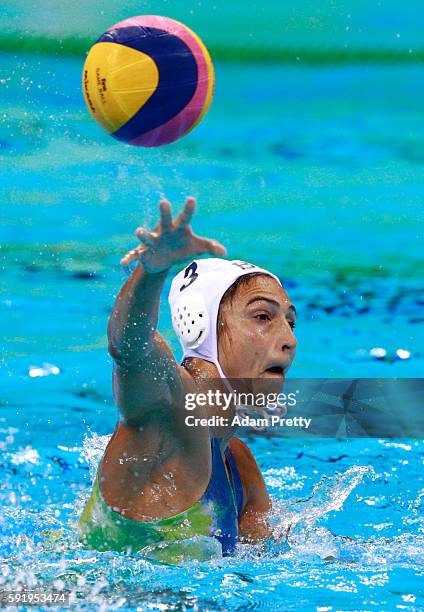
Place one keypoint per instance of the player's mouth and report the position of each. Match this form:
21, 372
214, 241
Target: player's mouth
275, 371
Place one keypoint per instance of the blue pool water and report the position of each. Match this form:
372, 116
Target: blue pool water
315, 173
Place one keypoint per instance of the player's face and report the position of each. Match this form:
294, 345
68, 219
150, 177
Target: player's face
256, 339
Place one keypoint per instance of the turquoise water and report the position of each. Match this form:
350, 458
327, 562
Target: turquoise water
315, 173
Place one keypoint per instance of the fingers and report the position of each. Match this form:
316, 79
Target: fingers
165, 214
204, 245
187, 213
132, 255
144, 236
183, 218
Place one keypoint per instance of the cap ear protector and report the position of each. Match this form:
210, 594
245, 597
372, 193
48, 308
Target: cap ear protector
190, 319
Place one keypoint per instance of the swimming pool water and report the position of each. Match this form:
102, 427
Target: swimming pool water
315, 173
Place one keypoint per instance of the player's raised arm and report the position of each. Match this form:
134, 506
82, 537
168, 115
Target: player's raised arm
146, 373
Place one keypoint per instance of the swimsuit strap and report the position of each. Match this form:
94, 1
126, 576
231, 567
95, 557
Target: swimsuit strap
218, 486
221, 499
236, 480
219, 479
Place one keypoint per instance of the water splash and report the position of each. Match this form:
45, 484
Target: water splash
93, 447
294, 522
328, 494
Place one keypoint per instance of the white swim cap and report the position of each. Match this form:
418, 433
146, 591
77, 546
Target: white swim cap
194, 298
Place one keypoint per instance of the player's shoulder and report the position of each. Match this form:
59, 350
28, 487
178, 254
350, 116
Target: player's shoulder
253, 483
187, 380
241, 451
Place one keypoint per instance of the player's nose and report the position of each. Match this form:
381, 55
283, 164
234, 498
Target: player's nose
287, 340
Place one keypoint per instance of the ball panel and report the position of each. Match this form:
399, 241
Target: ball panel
210, 81
132, 82
102, 107
118, 80
192, 114
173, 129
178, 78
132, 70
152, 21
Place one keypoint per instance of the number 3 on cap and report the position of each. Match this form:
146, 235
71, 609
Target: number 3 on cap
191, 274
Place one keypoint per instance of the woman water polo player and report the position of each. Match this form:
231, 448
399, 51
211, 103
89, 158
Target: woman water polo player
160, 481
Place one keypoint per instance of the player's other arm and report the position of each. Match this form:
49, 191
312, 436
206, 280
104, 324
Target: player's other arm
253, 522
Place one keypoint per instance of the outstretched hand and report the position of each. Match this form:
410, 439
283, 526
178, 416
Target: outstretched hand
171, 241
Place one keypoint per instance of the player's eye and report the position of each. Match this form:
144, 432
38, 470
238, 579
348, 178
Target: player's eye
263, 316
